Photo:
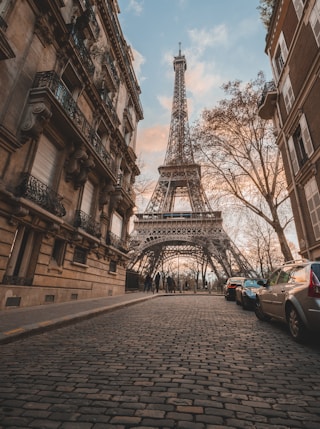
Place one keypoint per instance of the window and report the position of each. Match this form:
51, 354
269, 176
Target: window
113, 267
116, 225
87, 197
288, 94
299, 5
4, 8
45, 163
23, 257
80, 255
315, 21
58, 252
300, 145
280, 57
313, 201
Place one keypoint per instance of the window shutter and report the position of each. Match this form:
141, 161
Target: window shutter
293, 156
45, 162
315, 23
288, 94
283, 47
117, 224
87, 197
298, 5
275, 70
306, 136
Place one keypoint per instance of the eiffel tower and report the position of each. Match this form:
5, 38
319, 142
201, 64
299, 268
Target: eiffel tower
163, 231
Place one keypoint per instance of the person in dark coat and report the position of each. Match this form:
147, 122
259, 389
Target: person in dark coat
157, 281
147, 283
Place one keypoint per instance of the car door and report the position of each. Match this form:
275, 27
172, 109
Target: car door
267, 291
279, 291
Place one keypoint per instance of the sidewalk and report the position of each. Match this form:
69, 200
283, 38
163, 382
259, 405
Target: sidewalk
23, 322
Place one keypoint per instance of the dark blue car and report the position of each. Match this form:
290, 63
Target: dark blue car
246, 293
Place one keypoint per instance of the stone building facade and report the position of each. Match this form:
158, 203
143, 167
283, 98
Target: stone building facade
293, 102
68, 122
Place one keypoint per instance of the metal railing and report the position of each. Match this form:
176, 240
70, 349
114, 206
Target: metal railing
116, 242
82, 50
87, 223
51, 81
41, 194
268, 87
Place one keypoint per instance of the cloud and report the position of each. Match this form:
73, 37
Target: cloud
136, 6
152, 140
201, 39
151, 148
165, 102
201, 79
138, 61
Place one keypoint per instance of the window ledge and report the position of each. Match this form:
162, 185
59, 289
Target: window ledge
78, 264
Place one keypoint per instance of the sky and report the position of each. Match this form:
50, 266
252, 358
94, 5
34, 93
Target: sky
222, 40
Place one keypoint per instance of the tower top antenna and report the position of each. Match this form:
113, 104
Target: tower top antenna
179, 49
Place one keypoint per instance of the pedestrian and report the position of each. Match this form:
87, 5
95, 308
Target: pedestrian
157, 281
147, 283
170, 284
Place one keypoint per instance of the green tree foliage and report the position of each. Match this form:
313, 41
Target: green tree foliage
266, 8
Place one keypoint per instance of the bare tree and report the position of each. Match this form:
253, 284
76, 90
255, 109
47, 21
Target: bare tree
239, 149
263, 250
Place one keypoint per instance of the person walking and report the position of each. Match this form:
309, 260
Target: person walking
147, 283
157, 281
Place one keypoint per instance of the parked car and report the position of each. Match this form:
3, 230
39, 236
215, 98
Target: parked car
230, 287
292, 295
246, 293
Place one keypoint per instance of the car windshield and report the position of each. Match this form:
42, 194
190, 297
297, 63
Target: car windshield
251, 283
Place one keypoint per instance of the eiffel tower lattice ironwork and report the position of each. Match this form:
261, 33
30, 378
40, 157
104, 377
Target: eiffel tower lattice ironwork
162, 232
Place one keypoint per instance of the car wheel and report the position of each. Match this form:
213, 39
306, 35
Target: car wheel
259, 313
296, 326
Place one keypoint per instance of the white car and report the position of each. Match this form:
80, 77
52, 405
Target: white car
292, 295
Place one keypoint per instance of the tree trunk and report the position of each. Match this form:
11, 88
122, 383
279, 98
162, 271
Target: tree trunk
283, 242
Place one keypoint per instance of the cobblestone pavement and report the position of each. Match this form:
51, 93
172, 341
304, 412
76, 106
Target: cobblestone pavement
188, 362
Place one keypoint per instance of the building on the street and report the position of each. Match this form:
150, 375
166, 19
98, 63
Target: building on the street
68, 121
293, 102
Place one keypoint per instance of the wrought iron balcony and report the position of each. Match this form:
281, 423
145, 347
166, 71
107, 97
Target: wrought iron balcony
87, 223
124, 53
41, 194
6, 51
92, 17
51, 81
117, 242
268, 100
108, 62
82, 50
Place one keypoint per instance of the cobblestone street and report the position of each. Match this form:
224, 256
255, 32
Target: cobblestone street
181, 361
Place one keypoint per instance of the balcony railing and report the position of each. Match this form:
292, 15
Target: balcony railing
124, 53
51, 81
268, 87
117, 242
267, 102
41, 194
82, 50
87, 223
109, 63
92, 17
